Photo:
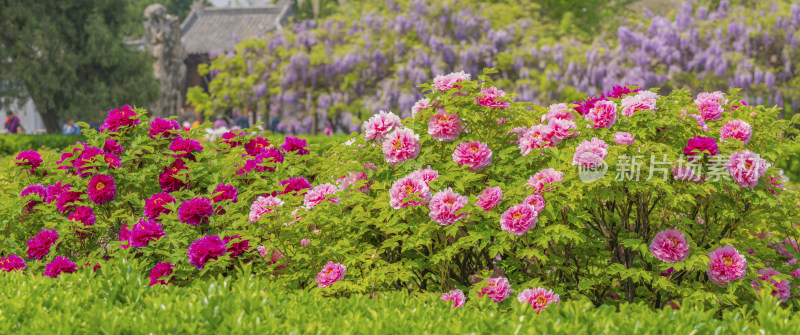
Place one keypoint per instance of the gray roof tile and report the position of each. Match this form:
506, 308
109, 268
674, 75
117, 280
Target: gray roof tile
221, 28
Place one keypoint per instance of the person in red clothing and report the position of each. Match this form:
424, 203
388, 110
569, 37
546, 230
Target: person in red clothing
12, 123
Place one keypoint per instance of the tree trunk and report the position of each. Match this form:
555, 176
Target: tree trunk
50, 119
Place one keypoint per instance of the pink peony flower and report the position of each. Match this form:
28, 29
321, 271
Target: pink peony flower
726, 265
782, 288
561, 129
419, 106
331, 273
118, 118
498, 289
295, 186
558, 111
427, 175
39, 245
167, 179
195, 211
737, 129
296, 145
380, 125
101, 189
603, 114
643, 100
256, 145
205, 249
12, 263
111, 146
154, 206
518, 219
590, 154
476, 156
350, 180
144, 232
30, 159
536, 202
185, 148
746, 168
160, 274
263, 205
488, 96
319, 194
706, 97
669, 246
449, 81
545, 178
456, 296
536, 137
444, 127
621, 138
489, 198
305, 242
161, 128
401, 145
59, 265
444, 205
710, 111
539, 298
408, 188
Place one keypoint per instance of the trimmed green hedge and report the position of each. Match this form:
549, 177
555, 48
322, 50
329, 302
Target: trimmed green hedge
118, 300
12, 144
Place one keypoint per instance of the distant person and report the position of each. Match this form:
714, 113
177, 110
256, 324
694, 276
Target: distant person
71, 128
12, 124
241, 121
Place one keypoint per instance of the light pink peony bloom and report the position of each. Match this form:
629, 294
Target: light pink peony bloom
558, 111
449, 81
726, 265
401, 145
305, 242
421, 105
444, 205
331, 273
380, 125
263, 205
623, 138
710, 111
539, 298
536, 137
351, 179
717, 97
737, 129
518, 219
445, 127
488, 96
456, 296
603, 114
489, 198
319, 194
746, 168
782, 288
561, 129
498, 289
545, 178
474, 155
590, 154
535, 201
427, 175
407, 188
670, 246
643, 100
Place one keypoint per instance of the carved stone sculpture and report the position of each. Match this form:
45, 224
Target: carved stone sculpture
163, 39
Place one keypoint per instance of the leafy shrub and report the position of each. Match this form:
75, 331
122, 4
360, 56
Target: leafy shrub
12, 144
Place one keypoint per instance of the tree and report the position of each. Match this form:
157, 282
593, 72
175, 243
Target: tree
71, 59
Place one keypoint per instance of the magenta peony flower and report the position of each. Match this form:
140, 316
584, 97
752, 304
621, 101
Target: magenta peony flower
226, 192
545, 180
229, 138
101, 189
154, 206
256, 146
12, 263
476, 156
83, 215
590, 154
111, 146
444, 205
66, 201
264, 205
518, 219
498, 289
160, 273
698, 145
124, 116
59, 265
167, 179
603, 114
39, 245
796, 273
746, 168
737, 129
85, 158
30, 159
185, 148
456, 296
38, 190
144, 232
621, 138
449, 81
260, 161
644, 100
401, 145
488, 96
112, 160
331, 273
726, 265
561, 129
124, 236
380, 125
296, 145
408, 188
782, 288
319, 194
444, 127
669, 246
539, 298
196, 211
295, 186
558, 111
161, 128
237, 246
536, 202
489, 198
205, 249
536, 137
53, 191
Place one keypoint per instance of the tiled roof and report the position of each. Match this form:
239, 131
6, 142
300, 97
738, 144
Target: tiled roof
209, 29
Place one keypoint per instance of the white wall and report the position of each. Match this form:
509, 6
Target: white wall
28, 116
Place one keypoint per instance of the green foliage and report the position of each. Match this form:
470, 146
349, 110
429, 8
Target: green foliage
13, 144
